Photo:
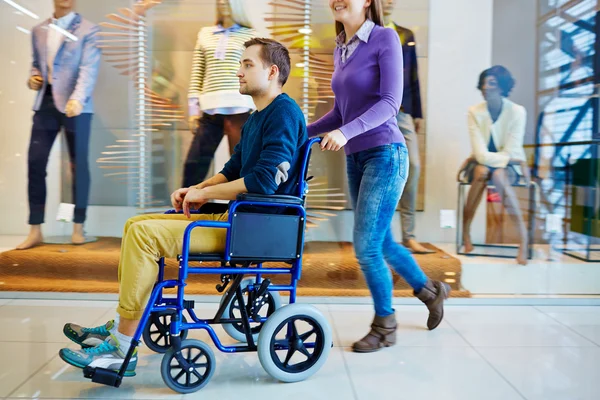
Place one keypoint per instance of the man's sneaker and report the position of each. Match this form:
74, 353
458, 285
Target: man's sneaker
107, 355
88, 337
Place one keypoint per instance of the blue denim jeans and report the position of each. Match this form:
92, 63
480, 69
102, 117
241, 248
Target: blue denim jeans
376, 179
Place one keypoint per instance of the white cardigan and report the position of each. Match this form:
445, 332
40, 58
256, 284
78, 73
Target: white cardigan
508, 132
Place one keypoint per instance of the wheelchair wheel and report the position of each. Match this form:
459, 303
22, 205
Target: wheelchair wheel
232, 310
294, 342
157, 332
192, 371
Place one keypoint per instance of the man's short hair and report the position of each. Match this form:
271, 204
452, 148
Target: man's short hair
273, 53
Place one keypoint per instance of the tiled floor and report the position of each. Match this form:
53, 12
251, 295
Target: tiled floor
477, 353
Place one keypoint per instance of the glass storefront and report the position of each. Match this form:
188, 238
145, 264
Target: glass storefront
141, 131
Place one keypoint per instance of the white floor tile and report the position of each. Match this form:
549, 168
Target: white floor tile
333, 308
549, 373
42, 321
510, 326
450, 373
351, 325
235, 374
424, 364
242, 376
21, 360
110, 314
590, 310
583, 320
62, 381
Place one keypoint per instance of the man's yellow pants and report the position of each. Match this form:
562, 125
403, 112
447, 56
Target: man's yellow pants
147, 238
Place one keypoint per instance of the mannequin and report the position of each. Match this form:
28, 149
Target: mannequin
64, 72
410, 121
496, 129
214, 89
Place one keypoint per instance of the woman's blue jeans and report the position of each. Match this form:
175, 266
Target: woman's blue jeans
376, 179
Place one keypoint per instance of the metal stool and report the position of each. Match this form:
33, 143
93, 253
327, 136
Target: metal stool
530, 229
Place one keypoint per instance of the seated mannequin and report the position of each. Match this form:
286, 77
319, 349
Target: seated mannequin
496, 129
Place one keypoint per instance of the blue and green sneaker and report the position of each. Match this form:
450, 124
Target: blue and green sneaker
88, 337
108, 355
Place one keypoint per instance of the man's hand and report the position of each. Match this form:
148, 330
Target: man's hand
194, 122
35, 82
418, 124
333, 141
194, 199
177, 198
73, 108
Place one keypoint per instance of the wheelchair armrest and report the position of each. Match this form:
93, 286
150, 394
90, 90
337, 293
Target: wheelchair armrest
270, 198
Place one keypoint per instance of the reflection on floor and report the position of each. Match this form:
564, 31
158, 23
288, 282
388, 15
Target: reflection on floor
329, 269
477, 353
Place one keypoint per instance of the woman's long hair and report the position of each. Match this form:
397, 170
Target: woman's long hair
374, 13
238, 14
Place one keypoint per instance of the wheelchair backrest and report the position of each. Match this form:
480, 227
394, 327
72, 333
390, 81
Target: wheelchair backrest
302, 185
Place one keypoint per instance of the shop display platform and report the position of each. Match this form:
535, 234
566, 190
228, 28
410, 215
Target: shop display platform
329, 269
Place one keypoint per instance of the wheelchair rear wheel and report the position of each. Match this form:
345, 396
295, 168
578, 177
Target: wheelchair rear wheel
157, 333
232, 310
190, 369
294, 342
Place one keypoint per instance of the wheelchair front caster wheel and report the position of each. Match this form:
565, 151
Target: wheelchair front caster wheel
294, 342
189, 369
157, 331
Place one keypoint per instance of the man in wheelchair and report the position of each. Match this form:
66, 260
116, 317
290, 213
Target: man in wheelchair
266, 161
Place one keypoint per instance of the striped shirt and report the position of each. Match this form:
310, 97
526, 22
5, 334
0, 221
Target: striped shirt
214, 86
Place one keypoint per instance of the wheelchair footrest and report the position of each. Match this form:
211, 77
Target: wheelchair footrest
103, 376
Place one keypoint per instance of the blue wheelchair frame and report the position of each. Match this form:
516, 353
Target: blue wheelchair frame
158, 303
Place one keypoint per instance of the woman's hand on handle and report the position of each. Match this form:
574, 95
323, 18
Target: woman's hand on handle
333, 141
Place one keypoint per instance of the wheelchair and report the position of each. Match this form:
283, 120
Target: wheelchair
292, 341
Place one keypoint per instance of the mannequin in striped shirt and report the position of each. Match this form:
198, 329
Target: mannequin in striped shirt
216, 106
